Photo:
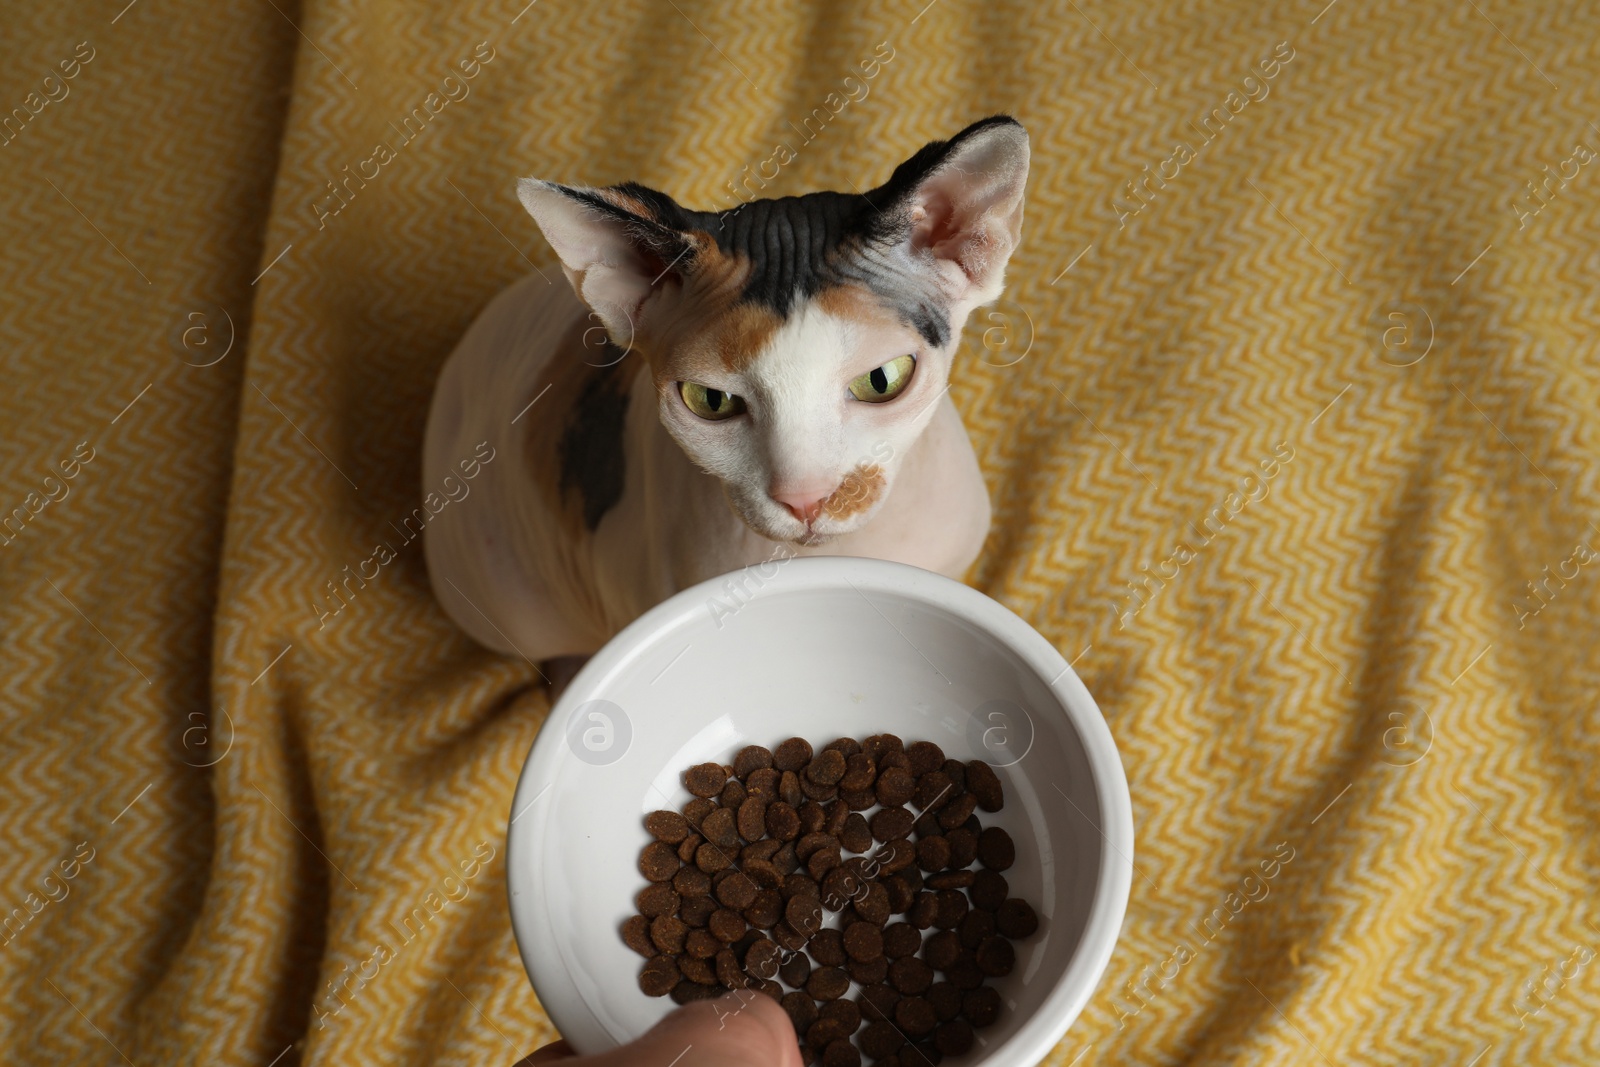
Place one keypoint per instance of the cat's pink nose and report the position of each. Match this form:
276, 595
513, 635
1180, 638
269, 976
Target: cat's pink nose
804, 505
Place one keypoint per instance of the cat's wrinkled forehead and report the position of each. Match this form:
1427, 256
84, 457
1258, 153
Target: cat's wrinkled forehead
779, 255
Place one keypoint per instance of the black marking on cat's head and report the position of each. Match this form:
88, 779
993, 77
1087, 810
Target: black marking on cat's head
787, 250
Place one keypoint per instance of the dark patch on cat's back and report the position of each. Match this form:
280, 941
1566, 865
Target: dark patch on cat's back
590, 453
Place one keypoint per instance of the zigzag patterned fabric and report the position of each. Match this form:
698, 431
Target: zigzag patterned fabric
1289, 417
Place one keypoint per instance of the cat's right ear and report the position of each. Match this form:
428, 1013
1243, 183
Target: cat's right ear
613, 249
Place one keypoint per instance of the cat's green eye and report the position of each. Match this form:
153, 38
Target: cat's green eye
885, 382
711, 404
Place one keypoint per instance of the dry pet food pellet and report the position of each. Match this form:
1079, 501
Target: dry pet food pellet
981, 1006
866, 972
841, 1053
894, 786
636, 935
915, 1016
751, 758
926, 757
659, 976
946, 1000
984, 784
656, 899
667, 826
828, 983
802, 1010
954, 1037
989, 890
910, 976
995, 849
792, 754
705, 779
668, 932
658, 862
1016, 919
863, 941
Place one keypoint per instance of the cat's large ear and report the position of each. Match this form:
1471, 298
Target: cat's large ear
960, 203
613, 246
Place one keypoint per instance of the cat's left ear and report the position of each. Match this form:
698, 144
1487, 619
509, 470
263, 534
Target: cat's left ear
613, 246
960, 203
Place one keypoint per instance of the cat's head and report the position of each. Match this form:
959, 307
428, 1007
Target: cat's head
799, 345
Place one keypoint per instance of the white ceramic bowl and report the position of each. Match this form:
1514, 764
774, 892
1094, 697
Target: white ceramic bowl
820, 647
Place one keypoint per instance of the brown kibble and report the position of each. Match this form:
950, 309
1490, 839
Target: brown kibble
764, 873
636, 935
956, 771
784, 860
667, 826
866, 972
691, 882
687, 992
902, 855
766, 910
732, 794
701, 945
894, 786
726, 925
933, 791
761, 959
881, 1039
1016, 919
659, 976
795, 970
858, 800
946, 1000
954, 1037
915, 1016
975, 926
825, 1031
729, 973
687, 847
863, 941
751, 758
668, 932
911, 976
763, 784
828, 983
696, 911
845, 746
896, 758
788, 938
900, 894
827, 948
816, 791
984, 784
826, 768
812, 817
950, 908
771, 988
952, 880
839, 886
809, 843
963, 847
855, 834
900, 940
792, 754
873, 905
981, 1006
752, 819
802, 1010
699, 970
878, 1001
761, 849
841, 1053
705, 779
891, 824
996, 850
989, 890
804, 914
876, 745
737, 891
657, 899
957, 811
996, 957
964, 973
933, 853
845, 1011
859, 773
799, 884
720, 829
942, 949
926, 757
824, 859
711, 858
697, 809
927, 825
789, 789
922, 911
837, 812
658, 862
781, 821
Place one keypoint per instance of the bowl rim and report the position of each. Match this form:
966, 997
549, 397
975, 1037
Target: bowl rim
1077, 981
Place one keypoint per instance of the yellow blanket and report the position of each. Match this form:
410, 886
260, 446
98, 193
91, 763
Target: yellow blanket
1288, 418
